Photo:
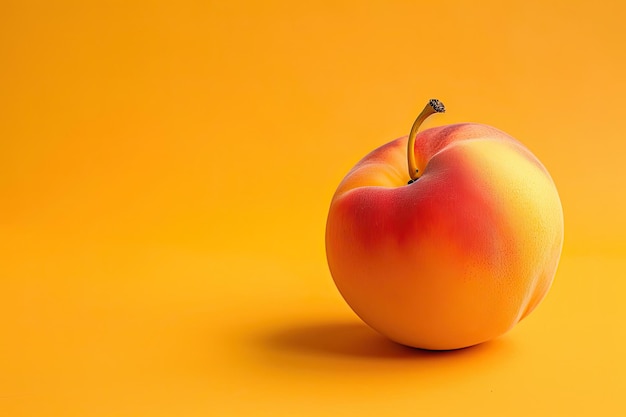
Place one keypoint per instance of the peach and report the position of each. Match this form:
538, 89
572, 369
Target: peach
455, 256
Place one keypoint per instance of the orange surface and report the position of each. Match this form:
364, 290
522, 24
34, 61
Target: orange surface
165, 174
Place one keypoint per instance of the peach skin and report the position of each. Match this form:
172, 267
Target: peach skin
456, 249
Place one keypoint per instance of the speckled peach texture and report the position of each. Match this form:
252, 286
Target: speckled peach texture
456, 258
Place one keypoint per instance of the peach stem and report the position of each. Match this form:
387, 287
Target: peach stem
433, 106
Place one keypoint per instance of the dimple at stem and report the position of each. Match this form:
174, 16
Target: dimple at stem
432, 107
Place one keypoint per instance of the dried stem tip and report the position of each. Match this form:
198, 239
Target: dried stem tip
437, 105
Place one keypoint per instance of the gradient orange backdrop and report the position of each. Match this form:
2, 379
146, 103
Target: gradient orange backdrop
165, 174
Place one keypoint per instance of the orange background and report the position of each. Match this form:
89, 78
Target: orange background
165, 174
